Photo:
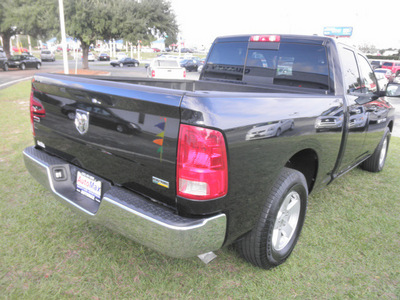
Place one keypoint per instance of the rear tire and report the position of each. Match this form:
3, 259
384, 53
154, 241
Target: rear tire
376, 161
275, 235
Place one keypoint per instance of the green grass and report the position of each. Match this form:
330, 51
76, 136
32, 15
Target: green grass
349, 248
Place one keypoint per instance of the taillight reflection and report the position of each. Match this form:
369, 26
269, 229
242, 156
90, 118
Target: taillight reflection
37, 111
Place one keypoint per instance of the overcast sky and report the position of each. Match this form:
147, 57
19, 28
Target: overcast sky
373, 22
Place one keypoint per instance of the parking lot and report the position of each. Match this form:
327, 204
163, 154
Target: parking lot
15, 75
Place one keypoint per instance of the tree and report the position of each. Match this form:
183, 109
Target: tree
26, 17
367, 48
157, 20
88, 21
146, 21
91, 20
7, 27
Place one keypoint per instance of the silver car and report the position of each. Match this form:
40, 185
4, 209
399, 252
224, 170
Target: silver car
47, 55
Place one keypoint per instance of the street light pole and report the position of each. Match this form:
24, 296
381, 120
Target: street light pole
63, 36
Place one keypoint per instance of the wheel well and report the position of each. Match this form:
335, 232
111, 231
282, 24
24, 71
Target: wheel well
306, 162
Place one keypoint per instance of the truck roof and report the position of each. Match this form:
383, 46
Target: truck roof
308, 39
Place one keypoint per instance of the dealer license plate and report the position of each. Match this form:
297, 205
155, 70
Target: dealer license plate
87, 185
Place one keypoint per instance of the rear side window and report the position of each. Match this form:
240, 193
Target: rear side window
388, 64
300, 65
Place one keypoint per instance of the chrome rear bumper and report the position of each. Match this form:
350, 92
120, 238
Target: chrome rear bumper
131, 214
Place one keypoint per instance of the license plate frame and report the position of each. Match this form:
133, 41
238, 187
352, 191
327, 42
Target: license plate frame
88, 186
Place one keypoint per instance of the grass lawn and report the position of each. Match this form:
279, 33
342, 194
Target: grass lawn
349, 248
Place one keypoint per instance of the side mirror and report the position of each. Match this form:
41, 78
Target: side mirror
393, 90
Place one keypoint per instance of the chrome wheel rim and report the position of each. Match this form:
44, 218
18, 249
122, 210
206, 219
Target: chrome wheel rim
286, 221
383, 153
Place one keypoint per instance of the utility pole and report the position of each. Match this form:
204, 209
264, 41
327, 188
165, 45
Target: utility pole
63, 36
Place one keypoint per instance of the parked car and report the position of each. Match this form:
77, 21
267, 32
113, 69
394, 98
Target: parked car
186, 50
19, 50
102, 117
104, 56
383, 76
269, 129
386, 72
330, 120
129, 62
24, 61
190, 64
376, 64
91, 57
3, 60
121, 55
47, 55
392, 66
165, 68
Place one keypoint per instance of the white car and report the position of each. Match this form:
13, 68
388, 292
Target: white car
383, 76
269, 129
47, 55
164, 68
91, 57
121, 55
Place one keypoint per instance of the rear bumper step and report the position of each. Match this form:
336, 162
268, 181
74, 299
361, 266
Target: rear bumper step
131, 214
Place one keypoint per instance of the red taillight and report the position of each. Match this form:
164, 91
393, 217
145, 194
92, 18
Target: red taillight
184, 73
202, 167
153, 73
265, 38
37, 111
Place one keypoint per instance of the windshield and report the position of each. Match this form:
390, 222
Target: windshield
388, 64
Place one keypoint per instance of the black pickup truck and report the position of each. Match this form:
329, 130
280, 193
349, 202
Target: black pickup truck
187, 167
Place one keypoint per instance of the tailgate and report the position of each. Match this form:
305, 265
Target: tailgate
169, 73
122, 132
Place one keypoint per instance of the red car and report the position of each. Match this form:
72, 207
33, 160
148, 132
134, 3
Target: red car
392, 66
18, 50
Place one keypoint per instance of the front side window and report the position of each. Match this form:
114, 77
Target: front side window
368, 79
350, 72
